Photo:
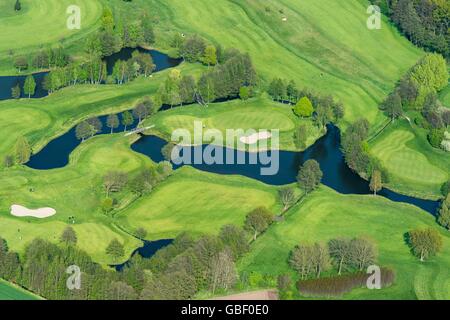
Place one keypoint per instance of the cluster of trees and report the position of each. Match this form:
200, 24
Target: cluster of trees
356, 153
443, 217
225, 80
424, 243
196, 49
349, 255
139, 184
177, 271
43, 59
22, 153
306, 103
425, 23
309, 176
29, 88
139, 64
337, 286
418, 90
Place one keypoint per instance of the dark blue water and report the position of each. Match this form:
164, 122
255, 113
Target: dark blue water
161, 61
56, 153
336, 174
146, 251
8, 82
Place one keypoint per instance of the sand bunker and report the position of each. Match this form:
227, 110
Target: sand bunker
255, 137
21, 211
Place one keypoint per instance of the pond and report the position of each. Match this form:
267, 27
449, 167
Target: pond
161, 61
146, 251
326, 150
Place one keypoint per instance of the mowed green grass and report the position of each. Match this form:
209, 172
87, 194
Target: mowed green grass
325, 215
324, 45
197, 202
8, 291
40, 24
75, 190
414, 167
259, 113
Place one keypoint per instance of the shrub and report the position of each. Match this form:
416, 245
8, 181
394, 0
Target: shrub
338, 285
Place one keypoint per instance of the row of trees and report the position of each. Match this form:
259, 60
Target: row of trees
348, 255
425, 23
224, 81
43, 59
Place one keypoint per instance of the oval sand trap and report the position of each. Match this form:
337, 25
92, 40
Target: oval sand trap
255, 137
21, 211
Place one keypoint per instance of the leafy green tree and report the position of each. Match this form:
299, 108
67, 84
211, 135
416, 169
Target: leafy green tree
444, 213
115, 249
375, 182
304, 107
127, 119
84, 130
15, 91
21, 63
107, 205
236, 239
309, 175
258, 220
112, 122
23, 150
187, 89
393, 106
244, 93
30, 86
287, 197
69, 237
209, 56
301, 136
425, 242
140, 233
140, 112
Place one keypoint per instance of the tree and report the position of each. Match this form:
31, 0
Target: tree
444, 213
23, 150
18, 6
300, 260
141, 233
258, 220
320, 258
362, 253
141, 183
304, 108
309, 175
115, 249
223, 271
393, 106
15, 91
140, 112
107, 205
127, 120
187, 89
119, 290
69, 237
21, 63
8, 161
244, 93
301, 136
375, 182
166, 151
340, 252
425, 242
29, 86
112, 121
209, 56
114, 181
236, 239
287, 197
84, 130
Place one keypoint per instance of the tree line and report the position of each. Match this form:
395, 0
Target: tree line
424, 23
417, 90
